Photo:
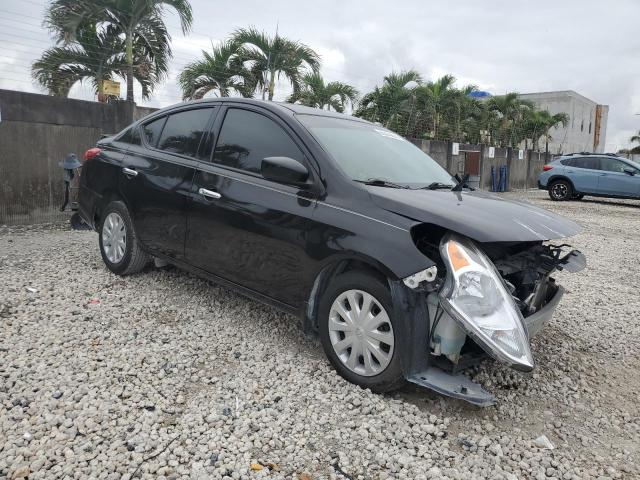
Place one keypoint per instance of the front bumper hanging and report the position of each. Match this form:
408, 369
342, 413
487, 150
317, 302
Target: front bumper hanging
416, 359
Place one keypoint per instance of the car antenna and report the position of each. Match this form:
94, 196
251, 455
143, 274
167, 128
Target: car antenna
461, 182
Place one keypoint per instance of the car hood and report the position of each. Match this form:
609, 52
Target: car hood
481, 216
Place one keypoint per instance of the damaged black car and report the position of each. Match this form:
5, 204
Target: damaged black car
404, 272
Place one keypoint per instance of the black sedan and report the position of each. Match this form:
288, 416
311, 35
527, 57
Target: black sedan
403, 271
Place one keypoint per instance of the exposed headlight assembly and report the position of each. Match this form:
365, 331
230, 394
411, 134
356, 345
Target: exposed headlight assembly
475, 295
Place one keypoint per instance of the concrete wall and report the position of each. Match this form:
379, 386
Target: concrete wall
36, 133
522, 173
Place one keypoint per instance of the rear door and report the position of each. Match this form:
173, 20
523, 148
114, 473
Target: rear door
157, 174
584, 173
613, 179
242, 227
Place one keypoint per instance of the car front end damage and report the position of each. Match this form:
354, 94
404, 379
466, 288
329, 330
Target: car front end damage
481, 300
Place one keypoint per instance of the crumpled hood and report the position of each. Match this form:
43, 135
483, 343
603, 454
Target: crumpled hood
481, 216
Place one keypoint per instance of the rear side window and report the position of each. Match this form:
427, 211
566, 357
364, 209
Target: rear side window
183, 131
247, 137
152, 131
592, 163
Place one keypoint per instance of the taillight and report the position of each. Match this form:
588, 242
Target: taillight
92, 152
546, 168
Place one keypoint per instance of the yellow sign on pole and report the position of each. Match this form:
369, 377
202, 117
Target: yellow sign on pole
111, 88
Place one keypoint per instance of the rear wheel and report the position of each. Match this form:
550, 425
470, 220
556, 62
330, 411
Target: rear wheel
357, 332
560, 190
119, 246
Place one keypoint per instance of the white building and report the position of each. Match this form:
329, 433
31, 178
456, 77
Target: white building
587, 127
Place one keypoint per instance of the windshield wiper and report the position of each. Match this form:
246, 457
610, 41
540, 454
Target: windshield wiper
462, 182
380, 182
438, 186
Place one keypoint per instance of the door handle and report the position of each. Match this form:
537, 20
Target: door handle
209, 194
129, 172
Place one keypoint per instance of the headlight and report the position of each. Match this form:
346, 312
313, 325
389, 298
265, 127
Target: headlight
475, 295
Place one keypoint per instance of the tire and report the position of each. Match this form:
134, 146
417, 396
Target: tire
121, 257
560, 190
380, 371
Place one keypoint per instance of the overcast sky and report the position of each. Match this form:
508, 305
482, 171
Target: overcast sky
584, 45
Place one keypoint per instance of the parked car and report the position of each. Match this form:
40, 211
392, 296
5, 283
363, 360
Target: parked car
403, 272
573, 176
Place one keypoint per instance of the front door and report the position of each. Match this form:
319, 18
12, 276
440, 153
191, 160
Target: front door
157, 175
242, 227
614, 180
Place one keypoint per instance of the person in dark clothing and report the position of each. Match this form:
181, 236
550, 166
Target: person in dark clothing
70, 164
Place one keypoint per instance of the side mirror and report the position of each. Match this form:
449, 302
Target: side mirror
284, 170
630, 171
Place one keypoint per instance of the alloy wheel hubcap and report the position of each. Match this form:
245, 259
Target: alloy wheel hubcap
559, 190
361, 333
114, 237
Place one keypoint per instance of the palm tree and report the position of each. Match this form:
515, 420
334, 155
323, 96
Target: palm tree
222, 70
439, 102
540, 122
270, 57
132, 18
314, 92
635, 138
96, 55
510, 110
389, 104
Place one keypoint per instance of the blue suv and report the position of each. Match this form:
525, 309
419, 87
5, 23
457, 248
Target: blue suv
601, 175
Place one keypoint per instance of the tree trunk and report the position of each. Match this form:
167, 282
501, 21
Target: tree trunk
100, 80
272, 84
129, 41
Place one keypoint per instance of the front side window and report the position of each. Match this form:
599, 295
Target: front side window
368, 152
613, 165
152, 130
247, 137
183, 131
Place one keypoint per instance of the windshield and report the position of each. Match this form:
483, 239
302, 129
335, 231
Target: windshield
368, 153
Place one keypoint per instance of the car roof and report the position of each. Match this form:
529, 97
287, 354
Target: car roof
588, 154
282, 107
598, 155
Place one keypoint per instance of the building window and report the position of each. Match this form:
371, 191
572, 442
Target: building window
582, 126
589, 127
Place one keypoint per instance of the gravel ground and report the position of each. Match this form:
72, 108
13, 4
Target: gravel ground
163, 375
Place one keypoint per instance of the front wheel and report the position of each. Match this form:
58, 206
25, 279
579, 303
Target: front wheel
560, 190
357, 332
119, 246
